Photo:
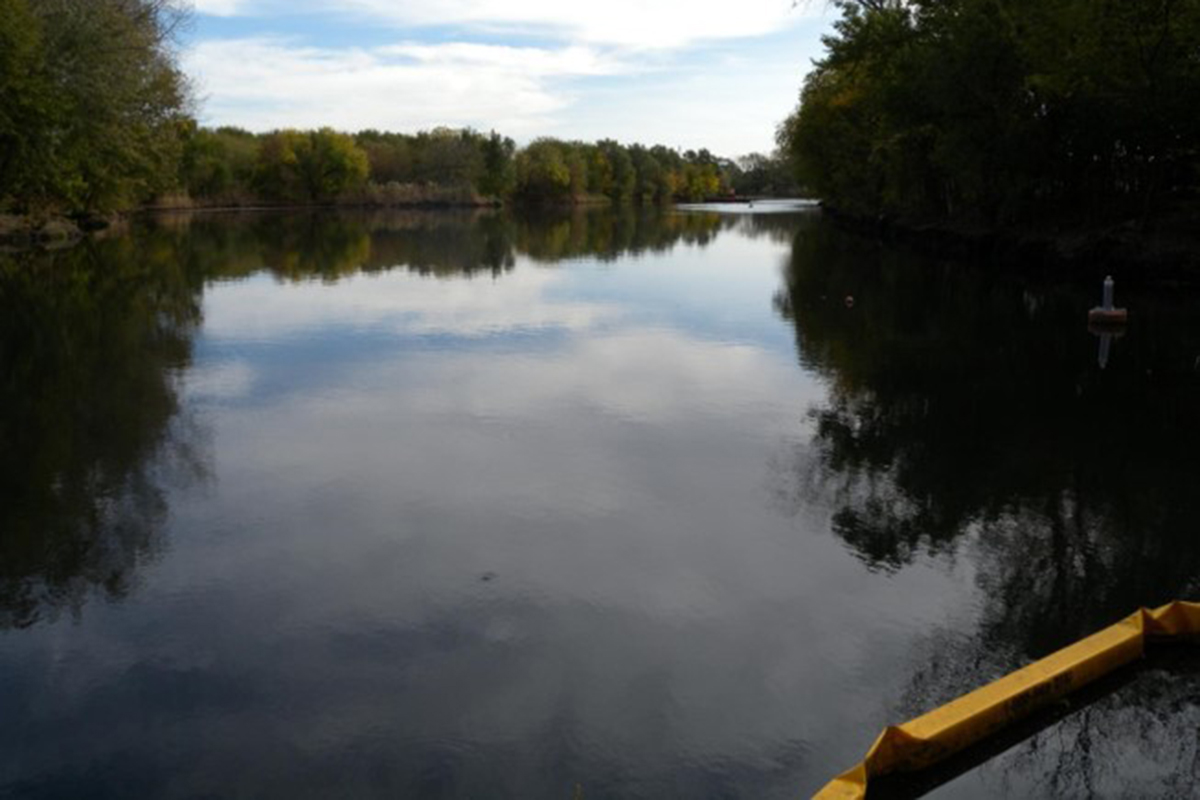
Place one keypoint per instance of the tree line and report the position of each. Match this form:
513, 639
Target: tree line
96, 116
447, 165
1005, 112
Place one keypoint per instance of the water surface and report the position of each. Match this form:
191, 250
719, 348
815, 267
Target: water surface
631, 504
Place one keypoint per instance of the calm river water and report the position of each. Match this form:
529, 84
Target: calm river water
597, 505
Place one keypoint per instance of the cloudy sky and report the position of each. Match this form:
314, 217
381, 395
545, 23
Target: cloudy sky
702, 73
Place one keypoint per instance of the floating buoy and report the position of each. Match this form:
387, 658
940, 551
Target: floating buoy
1106, 313
849, 301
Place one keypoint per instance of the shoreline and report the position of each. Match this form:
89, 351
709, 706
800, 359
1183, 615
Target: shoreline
24, 231
1170, 250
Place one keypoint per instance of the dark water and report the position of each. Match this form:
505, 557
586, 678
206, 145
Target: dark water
601, 505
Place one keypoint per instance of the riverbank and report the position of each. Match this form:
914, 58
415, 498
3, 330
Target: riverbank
1168, 248
58, 230
50, 231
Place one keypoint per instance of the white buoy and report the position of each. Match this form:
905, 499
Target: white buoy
1106, 313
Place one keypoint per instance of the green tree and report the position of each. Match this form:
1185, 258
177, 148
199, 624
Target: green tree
647, 173
1004, 111
497, 176
543, 171
389, 156
449, 157
218, 163
23, 111
600, 170
577, 164
624, 177
309, 166
757, 174
91, 102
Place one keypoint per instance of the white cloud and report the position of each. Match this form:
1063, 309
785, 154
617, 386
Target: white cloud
639, 23
633, 23
218, 381
264, 83
567, 61
649, 375
397, 302
219, 8
688, 77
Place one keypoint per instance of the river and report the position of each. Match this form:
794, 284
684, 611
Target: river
595, 504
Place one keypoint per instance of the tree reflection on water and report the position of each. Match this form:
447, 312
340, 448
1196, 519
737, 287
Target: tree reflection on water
94, 339
967, 418
91, 339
